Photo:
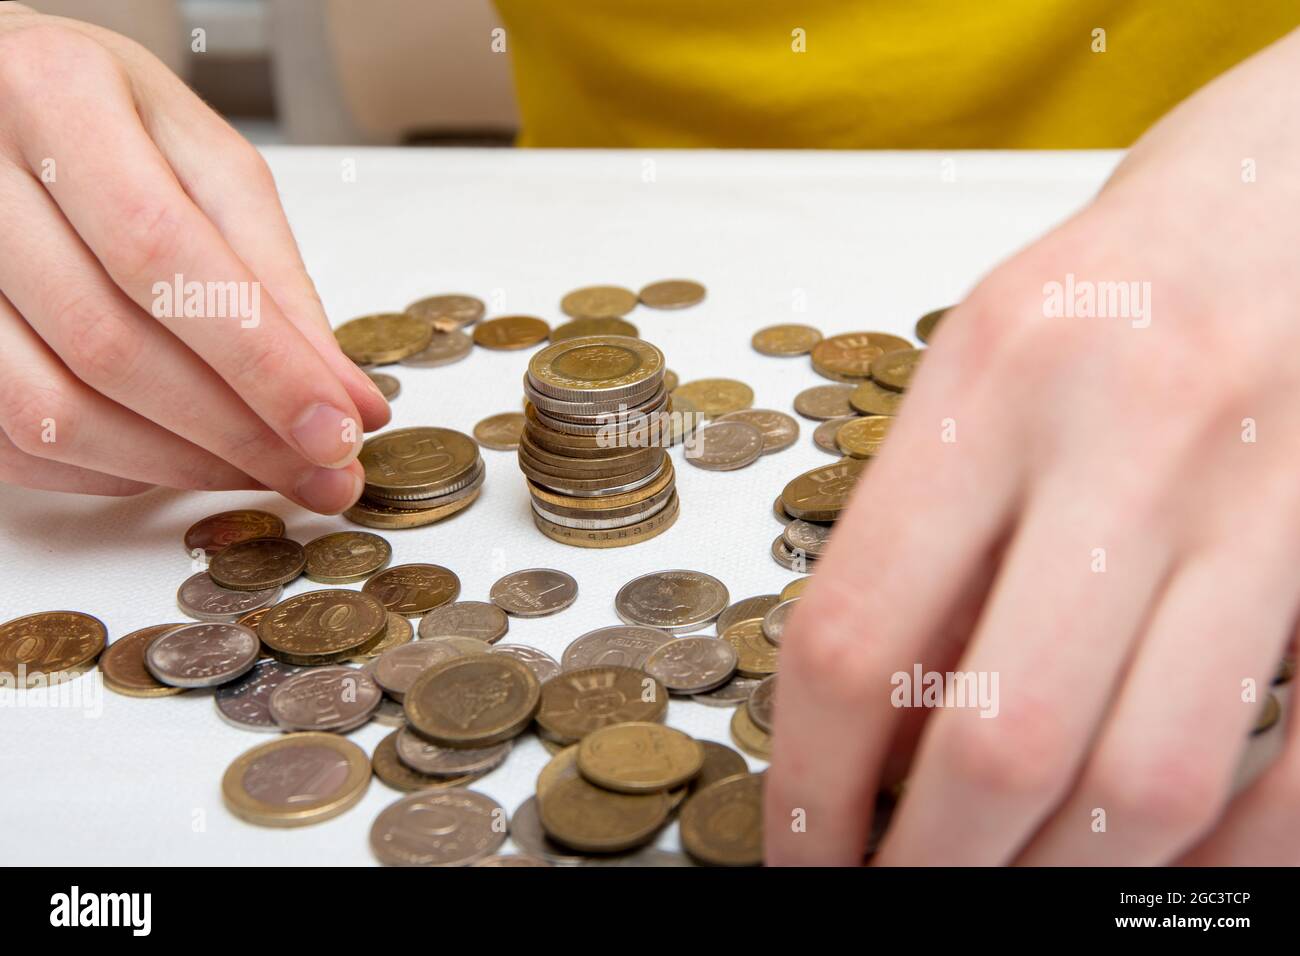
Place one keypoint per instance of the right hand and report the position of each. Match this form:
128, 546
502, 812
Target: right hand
114, 176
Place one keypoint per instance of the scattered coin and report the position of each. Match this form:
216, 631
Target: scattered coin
122, 664
720, 762
824, 435
467, 646
760, 704
543, 665
583, 328
863, 437
322, 627
1268, 716
670, 381
576, 702
333, 699
676, 601
397, 631
927, 323
500, 432
429, 758
598, 302
511, 332
799, 562
773, 623
396, 670
726, 446
246, 703
712, 397
346, 556
778, 509
534, 592
871, 398
512, 860
722, 824
756, 655
807, 537
204, 600
415, 464
786, 340
746, 609
823, 493
780, 431
202, 655
672, 294
296, 780
389, 713
388, 385
748, 736
621, 645
413, 589
639, 758
824, 402
733, 692
389, 768
447, 313
477, 619
895, 369
692, 665
215, 532
848, 357
585, 817
473, 702
794, 589
382, 338
444, 348
371, 514
258, 564
526, 830
443, 828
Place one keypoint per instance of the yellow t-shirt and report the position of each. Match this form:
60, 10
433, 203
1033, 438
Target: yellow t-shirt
869, 74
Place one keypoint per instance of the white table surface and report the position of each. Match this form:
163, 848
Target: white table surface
843, 242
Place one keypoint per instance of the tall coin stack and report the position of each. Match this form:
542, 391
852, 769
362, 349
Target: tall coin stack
416, 476
596, 423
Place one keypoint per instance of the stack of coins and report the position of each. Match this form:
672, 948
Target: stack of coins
596, 422
416, 476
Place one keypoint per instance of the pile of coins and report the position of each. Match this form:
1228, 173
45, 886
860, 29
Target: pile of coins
596, 421
416, 476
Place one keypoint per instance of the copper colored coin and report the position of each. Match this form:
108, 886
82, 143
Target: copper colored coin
388, 767
588, 818
413, 589
576, 702
397, 631
372, 514
346, 556
527, 833
258, 564
720, 762
582, 328
215, 532
746, 610
534, 592
448, 312
477, 619
473, 702
871, 398
202, 655
725, 446
756, 655
761, 703
429, 758
748, 736
396, 670
440, 828
204, 599
500, 432
693, 665
672, 294
511, 332
927, 323
331, 699
246, 703
824, 402
444, 348
722, 824
639, 758
543, 665
322, 627
785, 340
382, 338
122, 664
864, 437
621, 645
823, 493
848, 357
598, 302
388, 385
779, 430
824, 435
418, 463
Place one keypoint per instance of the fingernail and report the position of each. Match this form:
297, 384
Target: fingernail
329, 490
326, 436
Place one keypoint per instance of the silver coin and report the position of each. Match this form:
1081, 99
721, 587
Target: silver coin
526, 830
622, 645
692, 665
396, 670
676, 601
798, 561
543, 665
388, 385
204, 599
733, 692
726, 446
807, 537
534, 592
477, 619
329, 699
824, 435
424, 757
747, 609
774, 620
438, 828
760, 704
779, 430
246, 703
202, 655
443, 349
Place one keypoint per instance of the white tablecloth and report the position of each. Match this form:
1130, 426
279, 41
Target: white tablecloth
840, 241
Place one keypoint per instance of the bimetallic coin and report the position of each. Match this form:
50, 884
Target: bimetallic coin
397, 631
584, 328
500, 432
428, 758
346, 556
322, 627
848, 357
202, 655
773, 623
733, 692
396, 670
413, 589
382, 338
870, 398
785, 340
808, 537
756, 655
672, 294
444, 348
473, 702
388, 385
476, 619
725, 446
720, 762
863, 437
543, 665
448, 312
675, 601
511, 332
441, 828
824, 435
534, 592
895, 369
204, 600
779, 430
122, 664
594, 820
761, 703
296, 780
639, 758
576, 702
824, 402
598, 302
927, 323
693, 665
246, 703
389, 768
722, 825
618, 646
823, 493
611, 369
258, 564
712, 397
215, 532
333, 699
747, 609
748, 736
794, 589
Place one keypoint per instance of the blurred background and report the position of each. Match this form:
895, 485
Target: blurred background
329, 71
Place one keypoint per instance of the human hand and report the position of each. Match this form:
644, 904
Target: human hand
1113, 532
115, 180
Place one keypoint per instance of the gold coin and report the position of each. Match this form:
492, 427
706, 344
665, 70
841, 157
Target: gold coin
511, 332
639, 757
587, 818
582, 328
500, 432
418, 462
895, 369
720, 762
389, 768
863, 437
389, 386
412, 589
651, 527
322, 627
346, 556
296, 780
795, 588
445, 348
562, 766
447, 313
598, 302
785, 340
258, 565
383, 338
748, 736
722, 824
870, 398
670, 380
712, 397
473, 701
927, 323
122, 664
397, 631
49, 647
823, 493
576, 702
848, 357
824, 402
215, 532
372, 514
672, 294
756, 655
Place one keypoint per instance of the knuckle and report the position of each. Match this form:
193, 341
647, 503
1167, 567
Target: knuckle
253, 450
263, 359
831, 650
100, 349
151, 236
29, 410
1178, 793
44, 56
1022, 751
